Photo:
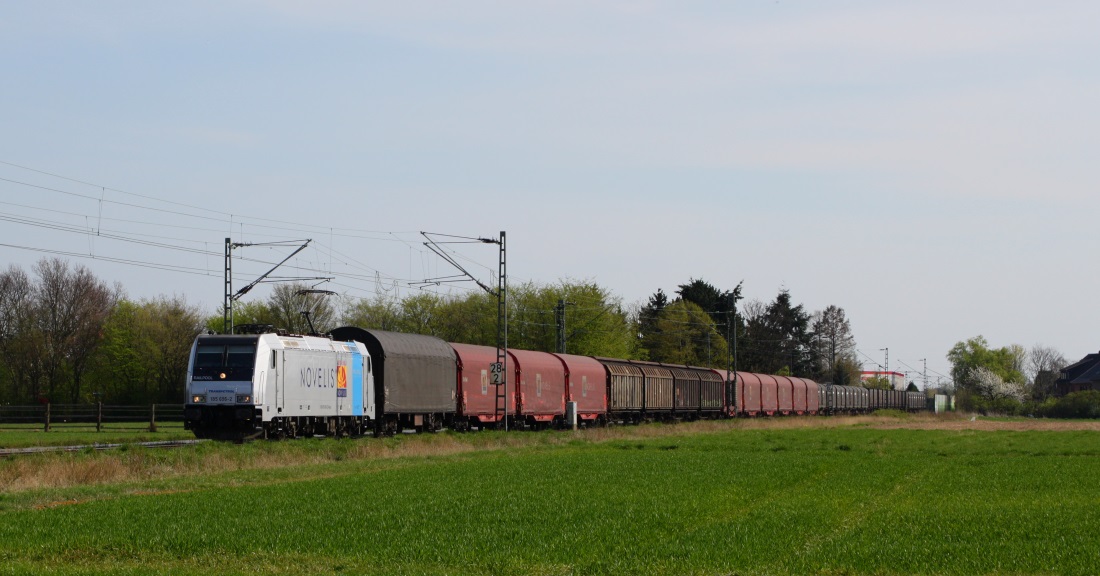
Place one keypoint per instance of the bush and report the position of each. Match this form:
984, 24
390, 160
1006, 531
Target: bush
1000, 406
1083, 404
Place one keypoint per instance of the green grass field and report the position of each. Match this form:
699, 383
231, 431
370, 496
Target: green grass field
715, 499
71, 435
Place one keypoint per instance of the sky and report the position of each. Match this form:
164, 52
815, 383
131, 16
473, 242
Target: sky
923, 165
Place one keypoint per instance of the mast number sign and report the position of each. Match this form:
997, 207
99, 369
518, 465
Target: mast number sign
496, 370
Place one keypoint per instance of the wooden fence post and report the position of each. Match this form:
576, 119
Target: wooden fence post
153, 418
99, 417
47, 417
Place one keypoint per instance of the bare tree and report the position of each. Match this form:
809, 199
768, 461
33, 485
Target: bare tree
50, 328
834, 340
1042, 368
754, 310
16, 350
1019, 357
288, 302
71, 307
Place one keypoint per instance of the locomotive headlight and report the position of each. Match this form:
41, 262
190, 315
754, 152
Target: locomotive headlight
222, 375
198, 399
244, 398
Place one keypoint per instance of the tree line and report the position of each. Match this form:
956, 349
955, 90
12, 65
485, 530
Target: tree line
701, 325
704, 326
1007, 380
69, 337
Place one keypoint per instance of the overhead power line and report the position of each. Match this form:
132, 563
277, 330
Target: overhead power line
139, 263
189, 211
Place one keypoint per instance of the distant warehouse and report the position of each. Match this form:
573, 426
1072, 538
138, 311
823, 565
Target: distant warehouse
896, 379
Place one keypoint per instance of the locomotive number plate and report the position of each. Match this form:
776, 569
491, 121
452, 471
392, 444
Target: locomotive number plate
221, 397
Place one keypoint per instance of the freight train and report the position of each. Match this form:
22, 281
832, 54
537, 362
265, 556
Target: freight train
360, 381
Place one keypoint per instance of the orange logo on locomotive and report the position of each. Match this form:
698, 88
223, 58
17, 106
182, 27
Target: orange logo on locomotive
341, 376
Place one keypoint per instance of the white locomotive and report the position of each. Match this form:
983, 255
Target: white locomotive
275, 385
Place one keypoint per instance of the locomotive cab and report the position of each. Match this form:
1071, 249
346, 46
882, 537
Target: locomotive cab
220, 390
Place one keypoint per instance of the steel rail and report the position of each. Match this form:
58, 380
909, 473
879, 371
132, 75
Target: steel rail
97, 446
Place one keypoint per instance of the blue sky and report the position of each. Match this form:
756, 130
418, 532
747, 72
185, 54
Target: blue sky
926, 166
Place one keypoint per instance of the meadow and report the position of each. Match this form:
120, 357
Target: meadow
853, 496
28, 436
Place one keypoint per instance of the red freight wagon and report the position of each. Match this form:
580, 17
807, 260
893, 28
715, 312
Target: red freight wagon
769, 394
785, 394
749, 388
813, 397
540, 385
798, 395
477, 396
586, 384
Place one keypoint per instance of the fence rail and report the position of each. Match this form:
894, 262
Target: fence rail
100, 417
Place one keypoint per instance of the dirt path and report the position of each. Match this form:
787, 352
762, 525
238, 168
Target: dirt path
955, 422
925, 422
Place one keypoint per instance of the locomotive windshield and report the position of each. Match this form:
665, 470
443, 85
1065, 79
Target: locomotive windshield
233, 357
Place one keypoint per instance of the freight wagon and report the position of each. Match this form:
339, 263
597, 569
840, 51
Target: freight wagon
416, 379
360, 381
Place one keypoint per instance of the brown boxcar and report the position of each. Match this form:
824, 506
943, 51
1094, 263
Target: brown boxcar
712, 389
698, 391
730, 394
415, 378
540, 386
843, 399
586, 384
877, 398
686, 389
625, 386
477, 397
851, 399
659, 386
830, 404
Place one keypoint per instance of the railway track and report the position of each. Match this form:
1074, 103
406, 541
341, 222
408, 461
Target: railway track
96, 446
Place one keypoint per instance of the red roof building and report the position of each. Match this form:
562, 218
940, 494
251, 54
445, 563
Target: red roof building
896, 379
